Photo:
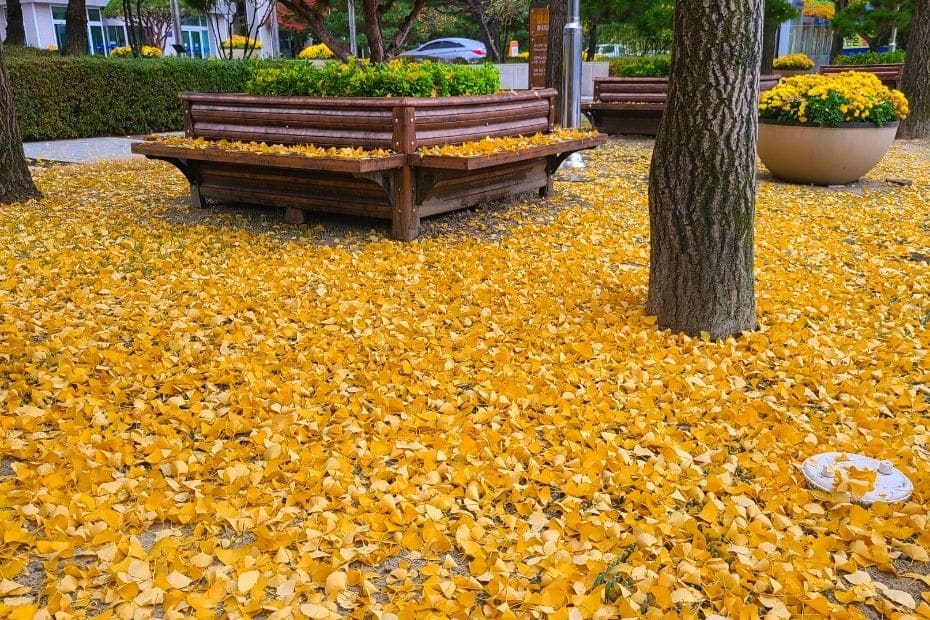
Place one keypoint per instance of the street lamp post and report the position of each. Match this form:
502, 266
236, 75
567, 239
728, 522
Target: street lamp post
571, 75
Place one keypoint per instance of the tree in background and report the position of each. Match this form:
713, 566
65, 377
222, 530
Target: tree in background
151, 17
75, 29
15, 30
916, 80
645, 26
776, 12
874, 21
385, 31
236, 17
498, 21
15, 181
702, 180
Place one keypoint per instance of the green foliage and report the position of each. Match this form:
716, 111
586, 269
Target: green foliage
68, 97
874, 21
394, 79
871, 58
778, 11
641, 66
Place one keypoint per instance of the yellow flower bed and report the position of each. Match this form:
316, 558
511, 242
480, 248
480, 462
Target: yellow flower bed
319, 51
793, 61
238, 41
828, 100
147, 51
491, 146
303, 150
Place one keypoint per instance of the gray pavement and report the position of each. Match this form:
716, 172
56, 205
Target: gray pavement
81, 150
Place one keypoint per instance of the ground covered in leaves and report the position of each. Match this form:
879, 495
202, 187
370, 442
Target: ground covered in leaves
223, 416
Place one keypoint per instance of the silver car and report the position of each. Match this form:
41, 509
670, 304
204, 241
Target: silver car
452, 50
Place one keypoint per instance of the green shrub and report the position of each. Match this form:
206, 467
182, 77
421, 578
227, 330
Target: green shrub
641, 66
78, 97
871, 58
398, 78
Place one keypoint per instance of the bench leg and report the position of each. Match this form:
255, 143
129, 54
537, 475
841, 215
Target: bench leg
293, 215
405, 223
546, 190
197, 201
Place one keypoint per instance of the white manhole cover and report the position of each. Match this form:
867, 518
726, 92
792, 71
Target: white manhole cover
890, 484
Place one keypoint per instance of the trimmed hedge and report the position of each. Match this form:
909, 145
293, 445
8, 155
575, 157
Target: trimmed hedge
397, 78
65, 97
641, 66
871, 58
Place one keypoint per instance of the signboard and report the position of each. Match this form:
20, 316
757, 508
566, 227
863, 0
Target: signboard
539, 45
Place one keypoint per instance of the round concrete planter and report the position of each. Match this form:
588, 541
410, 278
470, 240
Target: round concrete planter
822, 155
791, 72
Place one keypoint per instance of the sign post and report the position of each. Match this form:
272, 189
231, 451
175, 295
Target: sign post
539, 45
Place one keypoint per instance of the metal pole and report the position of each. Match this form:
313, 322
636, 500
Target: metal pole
571, 67
571, 76
353, 46
178, 44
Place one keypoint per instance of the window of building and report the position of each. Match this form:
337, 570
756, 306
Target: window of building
195, 36
58, 22
116, 37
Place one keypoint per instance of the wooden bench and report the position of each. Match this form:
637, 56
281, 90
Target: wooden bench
889, 74
402, 187
635, 105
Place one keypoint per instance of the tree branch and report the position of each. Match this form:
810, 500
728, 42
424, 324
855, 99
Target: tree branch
404, 30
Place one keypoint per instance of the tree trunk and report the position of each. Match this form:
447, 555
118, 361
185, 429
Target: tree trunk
15, 30
702, 180
592, 39
76, 28
557, 17
769, 41
836, 44
15, 181
373, 30
916, 79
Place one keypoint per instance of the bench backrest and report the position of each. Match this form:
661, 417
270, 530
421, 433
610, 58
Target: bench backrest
402, 124
647, 90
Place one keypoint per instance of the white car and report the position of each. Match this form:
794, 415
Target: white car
611, 50
450, 50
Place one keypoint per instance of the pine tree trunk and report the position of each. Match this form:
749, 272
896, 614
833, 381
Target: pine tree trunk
15, 30
702, 180
769, 41
557, 17
373, 30
76, 28
15, 181
836, 44
592, 39
915, 82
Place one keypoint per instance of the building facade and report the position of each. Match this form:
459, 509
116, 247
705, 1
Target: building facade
44, 23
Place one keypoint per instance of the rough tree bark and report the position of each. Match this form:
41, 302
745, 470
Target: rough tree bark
15, 181
15, 30
915, 82
702, 180
76, 28
557, 16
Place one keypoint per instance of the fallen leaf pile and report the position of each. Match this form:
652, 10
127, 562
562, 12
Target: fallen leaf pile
205, 420
492, 146
304, 150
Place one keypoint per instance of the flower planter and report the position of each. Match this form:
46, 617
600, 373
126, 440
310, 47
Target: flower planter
624, 105
791, 72
401, 187
801, 153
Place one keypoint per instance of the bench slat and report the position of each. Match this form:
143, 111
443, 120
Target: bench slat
454, 162
273, 160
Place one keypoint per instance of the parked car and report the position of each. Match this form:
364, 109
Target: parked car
450, 50
611, 50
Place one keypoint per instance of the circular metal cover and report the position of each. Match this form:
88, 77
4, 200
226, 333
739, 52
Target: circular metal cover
890, 484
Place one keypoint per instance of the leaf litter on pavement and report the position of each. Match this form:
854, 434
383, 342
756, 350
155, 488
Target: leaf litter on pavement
214, 419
